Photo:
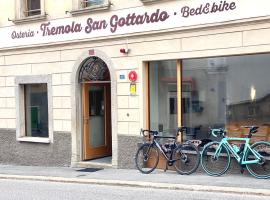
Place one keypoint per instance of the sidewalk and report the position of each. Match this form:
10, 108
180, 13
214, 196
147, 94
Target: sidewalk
242, 183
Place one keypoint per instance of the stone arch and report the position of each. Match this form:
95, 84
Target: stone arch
76, 106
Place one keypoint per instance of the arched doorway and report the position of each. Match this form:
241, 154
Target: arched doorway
94, 77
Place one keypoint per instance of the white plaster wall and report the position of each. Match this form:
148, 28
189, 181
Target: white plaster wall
59, 61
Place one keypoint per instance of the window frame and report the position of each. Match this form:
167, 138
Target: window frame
178, 67
22, 17
26, 10
20, 82
84, 3
79, 9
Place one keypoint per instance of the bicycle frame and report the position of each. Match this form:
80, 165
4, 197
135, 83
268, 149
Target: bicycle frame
224, 142
154, 142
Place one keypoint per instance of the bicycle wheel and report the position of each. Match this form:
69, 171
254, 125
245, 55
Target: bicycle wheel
215, 164
187, 158
147, 158
261, 169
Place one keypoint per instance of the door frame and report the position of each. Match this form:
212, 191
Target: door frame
76, 107
88, 151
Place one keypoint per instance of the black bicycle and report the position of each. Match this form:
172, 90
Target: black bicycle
185, 157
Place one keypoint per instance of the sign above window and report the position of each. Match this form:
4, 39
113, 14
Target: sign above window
161, 16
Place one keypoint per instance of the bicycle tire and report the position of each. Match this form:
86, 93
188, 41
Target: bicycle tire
259, 170
215, 166
187, 158
147, 158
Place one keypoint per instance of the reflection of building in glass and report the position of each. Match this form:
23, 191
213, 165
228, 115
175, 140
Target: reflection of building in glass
252, 112
163, 97
212, 89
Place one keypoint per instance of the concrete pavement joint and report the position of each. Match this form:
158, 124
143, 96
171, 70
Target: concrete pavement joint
236, 190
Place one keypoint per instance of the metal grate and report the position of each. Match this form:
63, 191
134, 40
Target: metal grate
89, 170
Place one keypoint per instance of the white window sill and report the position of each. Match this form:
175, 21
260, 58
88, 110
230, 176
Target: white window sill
34, 139
94, 8
30, 19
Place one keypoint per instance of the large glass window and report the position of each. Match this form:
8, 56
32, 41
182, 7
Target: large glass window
163, 96
226, 92
36, 110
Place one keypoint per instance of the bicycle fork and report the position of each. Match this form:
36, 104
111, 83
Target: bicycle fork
170, 160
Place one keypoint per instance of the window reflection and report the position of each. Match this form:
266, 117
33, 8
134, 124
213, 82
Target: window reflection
226, 92
93, 2
163, 96
33, 7
36, 110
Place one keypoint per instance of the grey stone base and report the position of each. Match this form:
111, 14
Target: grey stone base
127, 148
14, 152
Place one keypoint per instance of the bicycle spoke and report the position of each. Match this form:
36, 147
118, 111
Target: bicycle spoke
186, 159
262, 168
214, 163
147, 158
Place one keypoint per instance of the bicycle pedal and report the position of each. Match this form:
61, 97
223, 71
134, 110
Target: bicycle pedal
242, 170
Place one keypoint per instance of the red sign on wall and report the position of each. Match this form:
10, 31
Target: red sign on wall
132, 76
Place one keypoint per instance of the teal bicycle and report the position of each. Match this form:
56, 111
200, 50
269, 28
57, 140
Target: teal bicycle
216, 156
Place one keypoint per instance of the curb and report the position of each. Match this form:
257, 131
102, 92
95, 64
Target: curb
201, 188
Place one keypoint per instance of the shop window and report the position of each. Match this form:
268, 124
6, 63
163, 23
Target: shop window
34, 108
29, 10
227, 92
163, 96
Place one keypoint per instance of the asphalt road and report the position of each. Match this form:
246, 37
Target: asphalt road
37, 190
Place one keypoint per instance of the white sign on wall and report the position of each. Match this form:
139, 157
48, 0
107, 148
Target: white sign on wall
136, 20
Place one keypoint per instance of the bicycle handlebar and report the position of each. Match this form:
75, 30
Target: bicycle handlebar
219, 131
154, 132
222, 132
151, 132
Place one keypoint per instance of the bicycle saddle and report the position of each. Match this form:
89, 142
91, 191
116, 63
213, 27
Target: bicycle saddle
182, 129
252, 129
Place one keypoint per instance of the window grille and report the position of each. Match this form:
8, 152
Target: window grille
94, 69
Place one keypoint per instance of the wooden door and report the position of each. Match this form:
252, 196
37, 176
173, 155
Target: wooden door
96, 120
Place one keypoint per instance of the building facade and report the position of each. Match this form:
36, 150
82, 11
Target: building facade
80, 78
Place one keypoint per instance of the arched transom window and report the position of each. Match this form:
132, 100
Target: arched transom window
94, 69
